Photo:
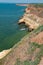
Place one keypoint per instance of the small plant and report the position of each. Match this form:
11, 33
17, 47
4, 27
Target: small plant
32, 47
18, 62
39, 29
26, 62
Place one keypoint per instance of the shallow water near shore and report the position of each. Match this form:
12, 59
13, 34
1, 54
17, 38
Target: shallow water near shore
10, 33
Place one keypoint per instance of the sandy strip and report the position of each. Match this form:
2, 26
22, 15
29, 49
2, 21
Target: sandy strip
4, 53
22, 4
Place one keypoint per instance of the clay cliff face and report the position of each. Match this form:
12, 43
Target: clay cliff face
31, 18
29, 50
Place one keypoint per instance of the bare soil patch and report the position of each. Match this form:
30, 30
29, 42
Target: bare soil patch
38, 38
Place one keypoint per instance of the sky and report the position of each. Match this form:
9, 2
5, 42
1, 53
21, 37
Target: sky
22, 1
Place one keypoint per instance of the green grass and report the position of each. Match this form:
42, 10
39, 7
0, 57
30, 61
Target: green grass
38, 55
32, 47
38, 5
39, 29
18, 62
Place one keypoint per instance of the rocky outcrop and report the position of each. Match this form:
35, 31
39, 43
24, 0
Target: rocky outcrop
32, 21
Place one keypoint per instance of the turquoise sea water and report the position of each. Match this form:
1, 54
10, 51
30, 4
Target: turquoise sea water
10, 33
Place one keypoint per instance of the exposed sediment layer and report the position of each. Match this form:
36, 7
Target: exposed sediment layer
4, 53
31, 20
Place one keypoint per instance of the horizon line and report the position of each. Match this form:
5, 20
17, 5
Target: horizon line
21, 3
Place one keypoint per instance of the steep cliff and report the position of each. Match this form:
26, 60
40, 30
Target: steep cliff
29, 50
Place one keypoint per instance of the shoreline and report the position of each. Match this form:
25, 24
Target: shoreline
4, 53
22, 4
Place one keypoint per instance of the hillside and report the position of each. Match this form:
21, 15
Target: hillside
26, 52
29, 50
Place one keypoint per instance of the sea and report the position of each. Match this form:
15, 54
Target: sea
10, 32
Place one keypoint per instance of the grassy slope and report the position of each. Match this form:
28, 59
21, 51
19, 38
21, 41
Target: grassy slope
38, 5
31, 50
38, 56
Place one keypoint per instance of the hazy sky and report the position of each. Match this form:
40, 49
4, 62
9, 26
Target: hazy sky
22, 1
